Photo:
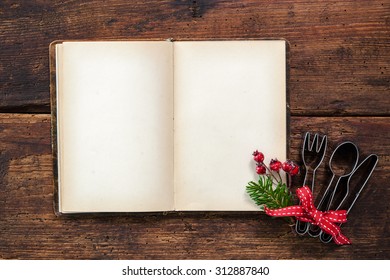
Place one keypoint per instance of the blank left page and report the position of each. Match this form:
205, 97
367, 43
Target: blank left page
115, 126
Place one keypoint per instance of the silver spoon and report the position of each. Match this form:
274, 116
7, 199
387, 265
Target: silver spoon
341, 163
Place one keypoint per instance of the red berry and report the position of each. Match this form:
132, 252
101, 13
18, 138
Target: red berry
275, 165
290, 167
260, 169
294, 171
287, 166
258, 156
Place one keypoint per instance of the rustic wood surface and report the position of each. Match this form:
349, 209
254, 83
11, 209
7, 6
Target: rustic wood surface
339, 85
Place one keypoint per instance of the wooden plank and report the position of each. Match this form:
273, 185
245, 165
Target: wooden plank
29, 228
340, 50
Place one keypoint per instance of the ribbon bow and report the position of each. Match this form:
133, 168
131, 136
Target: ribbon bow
307, 212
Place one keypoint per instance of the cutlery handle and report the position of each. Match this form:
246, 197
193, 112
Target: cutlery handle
314, 230
326, 198
302, 227
309, 179
326, 238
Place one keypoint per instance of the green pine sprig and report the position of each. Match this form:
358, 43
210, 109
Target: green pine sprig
266, 193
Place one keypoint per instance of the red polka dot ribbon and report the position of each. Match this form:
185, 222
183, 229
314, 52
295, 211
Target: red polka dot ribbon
307, 212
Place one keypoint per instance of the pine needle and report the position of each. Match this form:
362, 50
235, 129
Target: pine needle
266, 193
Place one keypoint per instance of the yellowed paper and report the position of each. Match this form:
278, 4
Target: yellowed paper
230, 98
115, 126
157, 126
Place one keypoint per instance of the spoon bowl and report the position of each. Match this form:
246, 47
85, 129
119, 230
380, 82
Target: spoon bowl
344, 159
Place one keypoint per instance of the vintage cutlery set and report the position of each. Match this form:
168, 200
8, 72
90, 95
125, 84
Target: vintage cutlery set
349, 176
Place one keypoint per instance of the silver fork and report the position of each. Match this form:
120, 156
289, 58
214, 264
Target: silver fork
313, 154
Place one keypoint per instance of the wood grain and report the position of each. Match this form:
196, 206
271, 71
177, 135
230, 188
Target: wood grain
340, 50
339, 85
29, 229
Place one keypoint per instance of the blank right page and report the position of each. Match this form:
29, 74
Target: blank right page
229, 99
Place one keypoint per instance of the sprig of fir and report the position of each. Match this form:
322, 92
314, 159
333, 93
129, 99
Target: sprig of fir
270, 190
264, 193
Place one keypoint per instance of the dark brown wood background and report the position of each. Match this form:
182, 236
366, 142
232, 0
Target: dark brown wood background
339, 85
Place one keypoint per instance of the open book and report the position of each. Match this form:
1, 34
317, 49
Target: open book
144, 126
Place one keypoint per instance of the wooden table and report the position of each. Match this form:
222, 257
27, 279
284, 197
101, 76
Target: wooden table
339, 85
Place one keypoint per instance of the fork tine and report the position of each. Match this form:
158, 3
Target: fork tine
322, 147
306, 141
314, 144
